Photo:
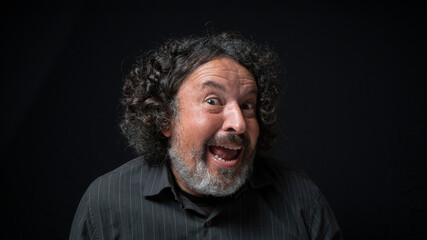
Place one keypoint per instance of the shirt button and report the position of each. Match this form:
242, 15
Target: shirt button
208, 223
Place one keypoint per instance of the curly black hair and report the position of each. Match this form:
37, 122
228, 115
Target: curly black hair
151, 86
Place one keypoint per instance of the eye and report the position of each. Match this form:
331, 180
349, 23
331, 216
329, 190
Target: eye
212, 101
248, 106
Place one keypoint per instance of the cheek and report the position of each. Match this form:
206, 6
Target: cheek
253, 131
200, 126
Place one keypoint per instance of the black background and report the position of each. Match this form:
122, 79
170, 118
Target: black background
353, 117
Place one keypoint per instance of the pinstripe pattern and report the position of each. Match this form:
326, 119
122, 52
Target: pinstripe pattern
137, 201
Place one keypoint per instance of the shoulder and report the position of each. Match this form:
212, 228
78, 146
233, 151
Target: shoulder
132, 174
289, 184
125, 184
283, 175
107, 194
298, 190
115, 176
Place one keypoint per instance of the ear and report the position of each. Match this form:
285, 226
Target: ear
166, 132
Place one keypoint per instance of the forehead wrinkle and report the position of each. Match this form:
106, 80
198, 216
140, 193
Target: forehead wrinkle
229, 73
213, 73
210, 68
213, 84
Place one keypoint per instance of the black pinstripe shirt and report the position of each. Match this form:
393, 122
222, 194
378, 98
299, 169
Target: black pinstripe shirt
139, 201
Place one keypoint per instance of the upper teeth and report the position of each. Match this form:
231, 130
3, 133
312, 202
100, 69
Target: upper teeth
232, 148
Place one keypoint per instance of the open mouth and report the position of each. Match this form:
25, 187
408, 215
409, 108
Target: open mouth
225, 153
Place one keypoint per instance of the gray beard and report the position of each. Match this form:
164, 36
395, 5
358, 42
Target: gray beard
200, 180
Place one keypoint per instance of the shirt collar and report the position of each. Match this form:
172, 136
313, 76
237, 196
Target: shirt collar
158, 181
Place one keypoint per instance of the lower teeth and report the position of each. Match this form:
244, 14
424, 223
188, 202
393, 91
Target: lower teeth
219, 158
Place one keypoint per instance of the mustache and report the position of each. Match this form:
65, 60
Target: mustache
228, 138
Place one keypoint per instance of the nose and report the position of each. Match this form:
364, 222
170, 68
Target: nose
234, 121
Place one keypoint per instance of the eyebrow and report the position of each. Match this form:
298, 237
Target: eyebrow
213, 84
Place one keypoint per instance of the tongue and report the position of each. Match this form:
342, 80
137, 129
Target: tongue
224, 153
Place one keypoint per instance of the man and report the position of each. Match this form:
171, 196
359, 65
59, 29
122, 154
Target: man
199, 111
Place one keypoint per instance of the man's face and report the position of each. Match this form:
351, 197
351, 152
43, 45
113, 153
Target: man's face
214, 136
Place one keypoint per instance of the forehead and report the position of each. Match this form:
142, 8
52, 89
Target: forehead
222, 70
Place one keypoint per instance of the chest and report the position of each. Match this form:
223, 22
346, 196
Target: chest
251, 216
